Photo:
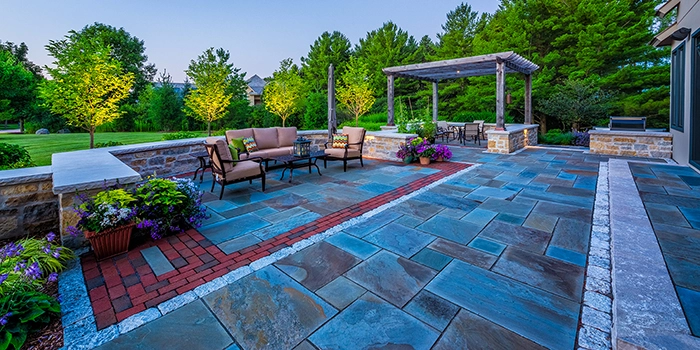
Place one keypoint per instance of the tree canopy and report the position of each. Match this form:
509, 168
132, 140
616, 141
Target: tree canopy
282, 95
354, 91
330, 48
87, 85
212, 75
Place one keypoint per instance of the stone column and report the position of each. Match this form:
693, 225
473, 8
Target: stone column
528, 99
390, 100
500, 94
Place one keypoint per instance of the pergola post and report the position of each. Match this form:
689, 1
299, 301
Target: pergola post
528, 99
332, 124
435, 101
500, 94
390, 100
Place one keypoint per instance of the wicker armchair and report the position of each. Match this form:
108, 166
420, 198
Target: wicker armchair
227, 171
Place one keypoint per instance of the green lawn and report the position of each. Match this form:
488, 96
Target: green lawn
41, 147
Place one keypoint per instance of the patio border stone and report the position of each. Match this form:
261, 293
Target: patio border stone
646, 309
72, 283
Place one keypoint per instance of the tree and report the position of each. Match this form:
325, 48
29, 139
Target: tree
211, 74
577, 104
17, 89
20, 52
355, 92
282, 95
316, 111
165, 107
328, 49
458, 32
87, 85
386, 47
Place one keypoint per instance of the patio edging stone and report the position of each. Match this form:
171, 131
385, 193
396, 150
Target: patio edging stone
72, 282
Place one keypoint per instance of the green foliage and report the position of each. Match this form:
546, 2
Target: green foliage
282, 95
180, 135
316, 111
487, 117
556, 137
577, 104
330, 48
13, 156
354, 91
108, 144
115, 196
165, 105
161, 193
28, 310
369, 126
106, 210
17, 88
87, 84
213, 76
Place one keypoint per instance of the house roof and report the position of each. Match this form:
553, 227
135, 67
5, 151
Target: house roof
463, 67
664, 38
256, 85
664, 9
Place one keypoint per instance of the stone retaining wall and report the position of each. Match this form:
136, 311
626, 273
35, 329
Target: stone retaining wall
27, 203
632, 143
166, 161
378, 144
515, 137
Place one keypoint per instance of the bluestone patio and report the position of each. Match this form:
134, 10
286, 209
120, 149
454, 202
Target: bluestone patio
486, 251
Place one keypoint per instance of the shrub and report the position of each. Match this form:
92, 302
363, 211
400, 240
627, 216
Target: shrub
487, 117
555, 137
316, 111
582, 139
180, 135
14, 156
169, 206
369, 126
108, 144
106, 210
24, 311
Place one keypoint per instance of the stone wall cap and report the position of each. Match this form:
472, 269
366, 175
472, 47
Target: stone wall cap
150, 146
391, 134
25, 175
89, 169
630, 133
513, 128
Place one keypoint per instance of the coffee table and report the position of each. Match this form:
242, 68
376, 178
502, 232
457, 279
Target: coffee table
292, 162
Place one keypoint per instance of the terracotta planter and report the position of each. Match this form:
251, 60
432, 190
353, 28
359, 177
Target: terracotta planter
107, 244
440, 159
424, 160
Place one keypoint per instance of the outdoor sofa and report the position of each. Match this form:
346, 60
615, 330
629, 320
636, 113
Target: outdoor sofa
226, 170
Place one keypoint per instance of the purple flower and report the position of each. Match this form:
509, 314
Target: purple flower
53, 277
21, 265
57, 253
51, 236
3, 319
3, 277
47, 249
11, 250
74, 231
33, 271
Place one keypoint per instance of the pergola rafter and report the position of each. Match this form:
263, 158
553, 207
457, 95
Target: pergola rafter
498, 63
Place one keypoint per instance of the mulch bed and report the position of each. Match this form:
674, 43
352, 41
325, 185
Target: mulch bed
51, 336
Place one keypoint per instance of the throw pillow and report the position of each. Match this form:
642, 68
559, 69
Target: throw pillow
234, 153
238, 143
340, 140
250, 144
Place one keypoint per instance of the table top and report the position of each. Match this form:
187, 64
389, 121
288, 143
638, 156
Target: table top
292, 158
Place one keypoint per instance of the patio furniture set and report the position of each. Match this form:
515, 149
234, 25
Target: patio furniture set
461, 131
246, 154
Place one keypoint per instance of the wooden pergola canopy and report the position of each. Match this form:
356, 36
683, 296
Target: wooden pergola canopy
464, 67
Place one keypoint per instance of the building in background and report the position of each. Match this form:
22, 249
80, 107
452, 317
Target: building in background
255, 89
684, 38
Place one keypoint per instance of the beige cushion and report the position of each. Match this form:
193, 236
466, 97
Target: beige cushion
265, 138
340, 152
233, 134
276, 152
286, 136
224, 152
354, 136
243, 170
260, 153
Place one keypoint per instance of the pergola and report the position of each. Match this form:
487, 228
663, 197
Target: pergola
497, 63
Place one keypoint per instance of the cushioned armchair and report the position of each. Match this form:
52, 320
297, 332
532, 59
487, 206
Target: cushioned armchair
226, 170
352, 150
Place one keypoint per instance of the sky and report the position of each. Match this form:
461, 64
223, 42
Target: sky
258, 34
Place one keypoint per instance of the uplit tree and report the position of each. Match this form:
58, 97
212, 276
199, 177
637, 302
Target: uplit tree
355, 92
211, 74
283, 94
87, 85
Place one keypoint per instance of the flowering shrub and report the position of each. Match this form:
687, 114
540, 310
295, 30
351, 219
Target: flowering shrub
168, 206
106, 210
425, 149
582, 139
442, 151
25, 267
409, 150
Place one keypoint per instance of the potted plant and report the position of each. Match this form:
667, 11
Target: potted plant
442, 153
425, 152
169, 206
407, 152
107, 220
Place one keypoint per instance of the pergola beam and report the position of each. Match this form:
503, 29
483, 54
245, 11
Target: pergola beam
435, 102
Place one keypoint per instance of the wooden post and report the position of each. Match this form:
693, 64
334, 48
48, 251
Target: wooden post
500, 94
332, 122
435, 101
390, 100
528, 99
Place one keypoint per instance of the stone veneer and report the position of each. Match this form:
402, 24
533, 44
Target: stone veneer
632, 143
515, 137
378, 144
27, 204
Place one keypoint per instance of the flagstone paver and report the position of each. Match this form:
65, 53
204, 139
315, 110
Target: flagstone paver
493, 258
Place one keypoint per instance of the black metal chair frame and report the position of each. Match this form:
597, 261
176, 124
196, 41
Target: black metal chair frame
221, 179
345, 157
463, 134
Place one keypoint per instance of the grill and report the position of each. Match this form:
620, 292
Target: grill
628, 123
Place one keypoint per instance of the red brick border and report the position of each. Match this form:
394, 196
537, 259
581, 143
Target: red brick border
125, 285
